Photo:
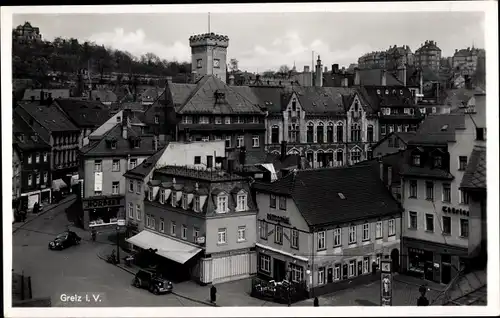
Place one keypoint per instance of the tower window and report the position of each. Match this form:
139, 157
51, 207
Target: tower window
198, 63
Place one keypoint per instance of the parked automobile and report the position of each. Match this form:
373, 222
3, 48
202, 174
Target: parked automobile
152, 282
64, 240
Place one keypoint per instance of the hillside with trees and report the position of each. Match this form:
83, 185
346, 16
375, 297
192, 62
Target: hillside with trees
67, 56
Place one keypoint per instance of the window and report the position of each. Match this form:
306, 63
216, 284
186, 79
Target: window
337, 237
198, 63
413, 220
321, 276
392, 227
438, 162
481, 134
221, 236
97, 193
139, 187
205, 138
355, 155
321, 240
116, 165
153, 222
131, 185
310, 133
429, 190
352, 234
255, 141
366, 265
340, 132
173, 228
391, 128
369, 133
115, 189
265, 263
150, 194
378, 230
240, 142
340, 157
113, 144
136, 143
366, 232
272, 201
263, 229
162, 225
396, 142
446, 225
242, 233
297, 273
462, 162
37, 157
282, 203
187, 120
429, 222
355, 132
204, 120
218, 120
241, 202
464, 197
221, 204
184, 232
416, 160
184, 201
45, 177
37, 178
275, 134
389, 142
413, 189
210, 162
228, 142
196, 234
320, 133
294, 242
173, 199
98, 166
336, 272
131, 210
148, 221
383, 131
446, 192
352, 268
278, 235
227, 120
45, 157
162, 196
138, 212
132, 164
464, 228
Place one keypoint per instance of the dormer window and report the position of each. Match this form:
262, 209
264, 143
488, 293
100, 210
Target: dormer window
196, 205
150, 194
113, 144
173, 199
241, 201
187, 120
222, 203
356, 106
438, 161
204, 120
416, 160
162, 196
157, 119
136, 143
118, 119
184, 201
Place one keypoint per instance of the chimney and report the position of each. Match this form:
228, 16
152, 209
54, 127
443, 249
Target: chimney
193, 77
357, 79
126, 115
335, 68
231, 80
421, 81
383, 78
345, 82
456, 51
389, 177
326, 70
402, 74
319, 73
306, 69
283, 150
42, 97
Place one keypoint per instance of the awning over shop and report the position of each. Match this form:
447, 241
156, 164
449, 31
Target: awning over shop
58, 184
169, 248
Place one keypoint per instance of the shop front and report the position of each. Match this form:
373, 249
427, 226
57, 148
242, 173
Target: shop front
29, 199
102, 211
432, 261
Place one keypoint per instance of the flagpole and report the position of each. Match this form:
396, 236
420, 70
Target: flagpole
209, 22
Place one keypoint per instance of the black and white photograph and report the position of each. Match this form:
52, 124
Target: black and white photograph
191, 160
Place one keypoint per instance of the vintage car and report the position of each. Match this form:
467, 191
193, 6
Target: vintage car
152, 282
64, 240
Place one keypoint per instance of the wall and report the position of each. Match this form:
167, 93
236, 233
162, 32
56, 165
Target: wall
108, 125
231, 224
179, 153
16, 174
34, 168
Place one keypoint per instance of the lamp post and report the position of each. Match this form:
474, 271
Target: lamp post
119, 224
288, 287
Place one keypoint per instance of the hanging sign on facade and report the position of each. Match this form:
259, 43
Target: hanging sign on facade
386, 284
97, 181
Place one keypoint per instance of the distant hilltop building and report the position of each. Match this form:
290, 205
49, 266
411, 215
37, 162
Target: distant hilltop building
392, 57
209, 55
428, 55
26, 33
465, 60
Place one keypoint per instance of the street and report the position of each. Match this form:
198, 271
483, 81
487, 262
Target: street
76, 270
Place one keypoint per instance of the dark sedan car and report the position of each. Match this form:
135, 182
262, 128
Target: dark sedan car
64, 240
152, 282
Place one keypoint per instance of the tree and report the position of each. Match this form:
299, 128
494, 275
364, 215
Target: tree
284, 71
268, 73
233, 65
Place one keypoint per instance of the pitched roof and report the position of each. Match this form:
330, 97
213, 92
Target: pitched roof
30, 139
425, 172
322, 100
475, 173
50, 117
403, 136
56, 93
438, 129
84, 113
373, 77
458, 97
381, 96
147, 165
269, 97
104, 95
202, 99
316, 194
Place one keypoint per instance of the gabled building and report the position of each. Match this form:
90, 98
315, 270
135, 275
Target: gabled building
392, 143
429, 54
202, 224
114, 148
324, 228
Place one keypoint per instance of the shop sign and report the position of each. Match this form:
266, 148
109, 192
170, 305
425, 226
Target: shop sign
200, 240
101, 203
450, 210
386, 284
277, 218
416, 251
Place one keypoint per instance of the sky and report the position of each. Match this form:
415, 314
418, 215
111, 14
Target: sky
265, 41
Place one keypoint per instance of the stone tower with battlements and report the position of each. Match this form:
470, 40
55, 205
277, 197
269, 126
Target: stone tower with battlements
209, 55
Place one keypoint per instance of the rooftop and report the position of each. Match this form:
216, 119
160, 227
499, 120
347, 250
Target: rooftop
475, 173
214, 174
438, 129
84, 113
50, 117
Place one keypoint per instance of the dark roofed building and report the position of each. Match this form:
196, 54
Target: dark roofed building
438, 129
323, 212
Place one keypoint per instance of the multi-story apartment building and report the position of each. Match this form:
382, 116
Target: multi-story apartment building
202, 224
465, 61
54, 128
200, 155
26, 33
428, 55
16, 175
316, 227
370, 60
436, 221
117, 146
